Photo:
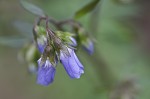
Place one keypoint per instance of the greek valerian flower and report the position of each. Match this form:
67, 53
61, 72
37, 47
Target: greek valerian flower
54, 47
71, 64
89, 47
46, 73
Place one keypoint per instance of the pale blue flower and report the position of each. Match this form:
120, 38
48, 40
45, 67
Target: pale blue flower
89, 47
46, 73
72, 64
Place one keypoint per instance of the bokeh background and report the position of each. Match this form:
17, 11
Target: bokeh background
119, 67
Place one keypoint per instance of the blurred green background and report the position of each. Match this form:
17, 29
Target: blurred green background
121, 32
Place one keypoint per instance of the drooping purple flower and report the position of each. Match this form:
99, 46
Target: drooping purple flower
46, 73
41, 43
89, 47
72, 64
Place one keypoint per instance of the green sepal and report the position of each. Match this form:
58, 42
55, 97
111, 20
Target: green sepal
40, 30
86, 42
53, 58
65, 36
82, 36
49, 53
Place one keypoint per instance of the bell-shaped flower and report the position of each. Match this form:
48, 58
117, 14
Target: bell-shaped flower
71, 64
85, 41
46, 72
89, 46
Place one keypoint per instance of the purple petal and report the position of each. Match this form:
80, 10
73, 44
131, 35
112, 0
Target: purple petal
71, 64
78, 62
74, 43
89, 47
41, 44
41, 47
46, 73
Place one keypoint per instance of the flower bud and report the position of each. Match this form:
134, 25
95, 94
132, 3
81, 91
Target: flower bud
41, 39
86, 42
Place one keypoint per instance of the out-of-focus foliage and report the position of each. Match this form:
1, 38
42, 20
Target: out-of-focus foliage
86, 9
119, 31
32, 8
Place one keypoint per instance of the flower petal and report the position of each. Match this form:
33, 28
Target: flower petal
74, 43
41, 47
78, 62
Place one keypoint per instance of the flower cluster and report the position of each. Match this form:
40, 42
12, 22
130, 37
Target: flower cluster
55, 47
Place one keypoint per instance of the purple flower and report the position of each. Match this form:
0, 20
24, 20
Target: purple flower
71, 64
46, 73
89, 47
41, 43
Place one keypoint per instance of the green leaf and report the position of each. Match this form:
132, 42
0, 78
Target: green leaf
12, 41
32, 8
24, 28
86, 9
